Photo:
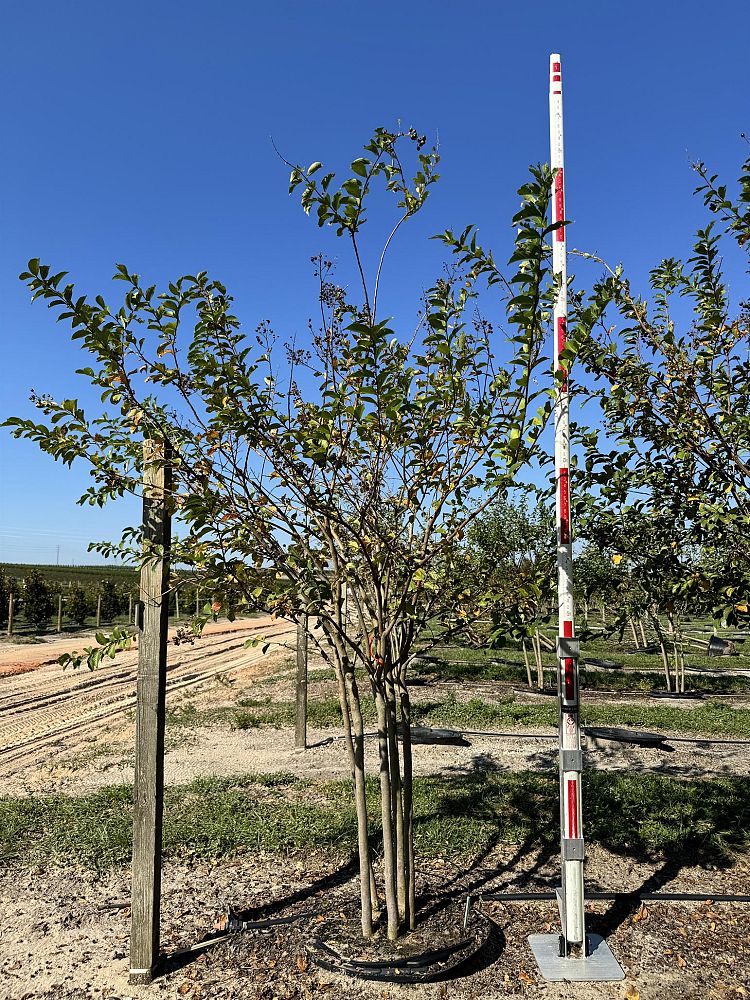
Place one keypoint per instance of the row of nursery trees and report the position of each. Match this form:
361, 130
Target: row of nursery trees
35, 600
356, 460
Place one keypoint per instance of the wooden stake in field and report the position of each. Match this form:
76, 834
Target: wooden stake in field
148, 788
300, 728
566, 956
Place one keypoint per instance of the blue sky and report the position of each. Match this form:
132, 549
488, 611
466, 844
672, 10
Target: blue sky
140, 133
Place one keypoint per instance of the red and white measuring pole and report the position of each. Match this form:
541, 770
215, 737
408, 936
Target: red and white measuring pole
571, 833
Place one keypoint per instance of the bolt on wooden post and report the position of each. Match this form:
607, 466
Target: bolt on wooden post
148, 788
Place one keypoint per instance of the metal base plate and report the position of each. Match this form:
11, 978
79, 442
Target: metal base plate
599, 966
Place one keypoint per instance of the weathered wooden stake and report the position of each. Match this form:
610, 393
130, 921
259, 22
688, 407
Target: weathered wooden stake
300, 728
148, 788
130, 609
11, 603
59, 612
177, 604
98, 610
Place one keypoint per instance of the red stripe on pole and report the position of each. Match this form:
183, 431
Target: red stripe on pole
570, 687
572, 809
562, 339
556, 67
568, 629
564, 507
562, 330
559, 204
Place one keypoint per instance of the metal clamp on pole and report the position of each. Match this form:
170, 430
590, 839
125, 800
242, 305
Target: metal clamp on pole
568, 648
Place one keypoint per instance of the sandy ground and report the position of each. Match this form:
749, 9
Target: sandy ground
65, 933
221, 752
16, 657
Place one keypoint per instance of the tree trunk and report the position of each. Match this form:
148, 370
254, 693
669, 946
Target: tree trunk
369, 895
408, 806
353, 735
662, 648
632, 629
397, 811
538, 657
389, 859
526, 661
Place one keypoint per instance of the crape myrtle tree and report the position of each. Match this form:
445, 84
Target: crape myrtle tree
655, 567
511, 552
337, 477
597, 577
672, 378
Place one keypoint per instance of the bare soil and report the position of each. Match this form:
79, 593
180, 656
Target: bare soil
64, 933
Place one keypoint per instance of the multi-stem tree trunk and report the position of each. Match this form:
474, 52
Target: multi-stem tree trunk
654, 618
526, 661
351, 714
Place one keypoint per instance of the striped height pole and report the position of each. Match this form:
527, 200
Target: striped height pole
572, 902
572, 955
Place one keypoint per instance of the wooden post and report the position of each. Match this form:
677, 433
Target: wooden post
300, 728
177, 604
526, 661
130, 609
59, 612
197, 602
148, 788
98, 610
11, 603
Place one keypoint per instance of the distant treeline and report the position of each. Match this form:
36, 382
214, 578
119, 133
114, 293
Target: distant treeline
38, 597
73, 574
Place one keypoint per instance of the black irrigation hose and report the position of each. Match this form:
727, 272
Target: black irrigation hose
414, 969
417, 961
555, 736
234, 925
522, 736
635, 896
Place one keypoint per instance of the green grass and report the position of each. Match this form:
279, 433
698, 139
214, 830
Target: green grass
469, 664
640, 816
712, 718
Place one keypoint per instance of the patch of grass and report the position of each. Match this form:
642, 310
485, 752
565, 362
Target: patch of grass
321, 713
711, 718
640, 816
470, 664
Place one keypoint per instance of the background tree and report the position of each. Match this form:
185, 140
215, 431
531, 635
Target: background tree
111, 600
597, 578
77, 605
511, 556
674, 396
335, 477
4, 595
37, 600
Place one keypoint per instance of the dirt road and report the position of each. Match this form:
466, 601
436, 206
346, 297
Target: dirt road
45, 708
